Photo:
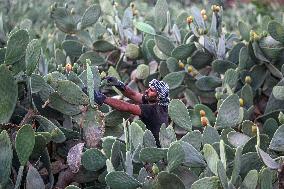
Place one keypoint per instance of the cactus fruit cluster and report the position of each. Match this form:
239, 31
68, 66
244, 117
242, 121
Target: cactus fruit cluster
226, 84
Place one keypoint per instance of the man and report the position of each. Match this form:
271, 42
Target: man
153, 104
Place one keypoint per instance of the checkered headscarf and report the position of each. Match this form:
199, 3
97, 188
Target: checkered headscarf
162, 89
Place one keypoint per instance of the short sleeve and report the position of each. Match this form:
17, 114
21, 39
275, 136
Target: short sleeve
147, 110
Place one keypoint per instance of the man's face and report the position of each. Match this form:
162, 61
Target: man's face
152, 95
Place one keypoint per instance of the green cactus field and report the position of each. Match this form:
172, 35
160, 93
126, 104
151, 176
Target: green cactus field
223, 61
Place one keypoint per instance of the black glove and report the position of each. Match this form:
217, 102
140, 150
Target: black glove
112, 81
99, 97
85, 90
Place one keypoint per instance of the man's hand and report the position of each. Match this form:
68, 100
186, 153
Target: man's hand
112, 81
99, 97
85, 90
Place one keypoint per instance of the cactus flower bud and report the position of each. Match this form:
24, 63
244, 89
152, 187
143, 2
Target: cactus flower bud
264, 33
52, 8
189, 19
200, 31
218, 95
254, 129
72, 11
180, 64
115, 4
68, 68
103, 74
204, 17
248, 80
281, 118
254, 36
75, 67
190, 69
203, 11
204, 121
155, 169
202, 113
241, 102
135, 12
217, 8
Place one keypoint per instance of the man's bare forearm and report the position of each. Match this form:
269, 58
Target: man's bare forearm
123, 106
130, 93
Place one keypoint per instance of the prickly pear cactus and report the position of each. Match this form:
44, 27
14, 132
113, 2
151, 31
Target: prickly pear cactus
9, 94
225, 77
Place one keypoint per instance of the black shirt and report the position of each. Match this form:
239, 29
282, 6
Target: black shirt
153, 116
